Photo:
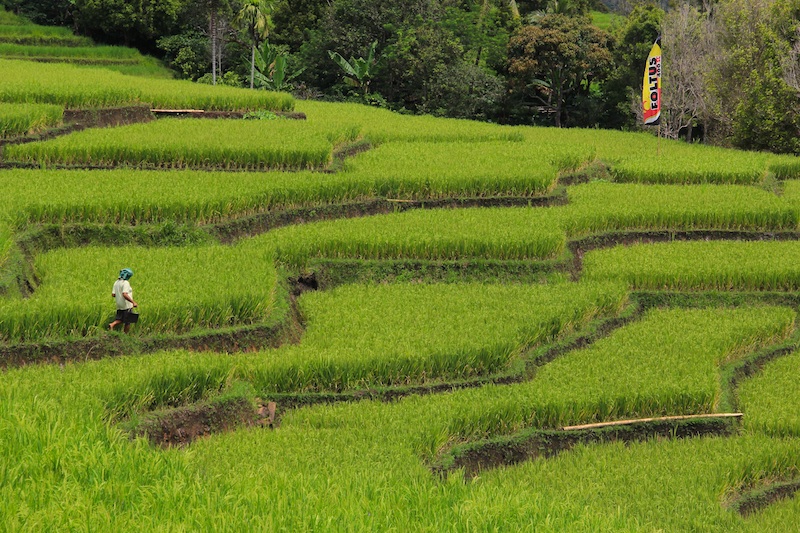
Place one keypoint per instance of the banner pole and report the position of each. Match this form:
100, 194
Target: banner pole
658, 150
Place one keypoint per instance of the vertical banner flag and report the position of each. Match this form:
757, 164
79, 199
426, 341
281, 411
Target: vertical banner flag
651, 90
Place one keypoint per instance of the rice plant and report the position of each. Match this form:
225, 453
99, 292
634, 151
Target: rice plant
420, 169
94, 54
771, 398
513, 233
6, 242
367, 336
364, 463
164, 144
599, 207
178, 289
382, 126
743, 266
25, 33
80, 87
21, 119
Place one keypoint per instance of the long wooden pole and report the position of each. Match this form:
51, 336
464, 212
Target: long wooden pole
644, 420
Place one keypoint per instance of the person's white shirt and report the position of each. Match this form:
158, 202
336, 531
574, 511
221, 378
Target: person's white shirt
121, 286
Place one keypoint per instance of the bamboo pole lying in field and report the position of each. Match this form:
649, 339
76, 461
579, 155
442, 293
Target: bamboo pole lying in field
657, 419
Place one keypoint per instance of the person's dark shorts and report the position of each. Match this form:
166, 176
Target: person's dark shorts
126, 316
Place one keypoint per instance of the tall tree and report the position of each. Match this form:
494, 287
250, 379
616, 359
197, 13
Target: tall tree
622, 92
253, 18
130, 23
558, 59
688, 56
753, 105
217, 10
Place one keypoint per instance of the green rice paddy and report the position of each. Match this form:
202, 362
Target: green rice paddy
413, 293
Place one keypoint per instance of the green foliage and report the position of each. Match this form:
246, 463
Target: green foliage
177, 289
253, 19
462, 234
608, 21
556, 60
766, 117
753, 103
185, 53
744, 266
229, 79
602, 207
162, 144
358, 71
10, 19
55, 417
770, 399
632, 42
35, 35
366, 336
21, 119
75, 87
272, 70
48, 12
82, 54
128, 23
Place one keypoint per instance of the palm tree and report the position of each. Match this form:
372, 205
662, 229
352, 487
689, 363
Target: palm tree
254, 19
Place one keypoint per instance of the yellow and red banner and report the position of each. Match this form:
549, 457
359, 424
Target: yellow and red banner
651, 89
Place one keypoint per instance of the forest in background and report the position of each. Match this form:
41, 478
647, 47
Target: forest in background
731, 67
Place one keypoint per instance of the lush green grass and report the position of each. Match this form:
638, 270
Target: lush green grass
483, 169
86, 54
6, 243
381, 126
178, 289
57, 196
21, 119
642, 158
514, 233
785, 167
600, 207
771, 399
82, 196
33, 34
700, 265
534, 233
63, 466
10, 19
667, 363
60, 196
79, 87
148, 67
279, 144
367, 336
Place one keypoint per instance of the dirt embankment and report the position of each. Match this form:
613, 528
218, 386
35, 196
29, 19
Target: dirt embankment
476, 457
183, 425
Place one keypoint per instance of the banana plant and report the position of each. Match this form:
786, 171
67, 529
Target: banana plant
271, 73
358, 72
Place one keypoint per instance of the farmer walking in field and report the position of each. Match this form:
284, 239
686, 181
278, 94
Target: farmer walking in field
123, 294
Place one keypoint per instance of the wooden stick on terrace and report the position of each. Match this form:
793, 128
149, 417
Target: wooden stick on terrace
178, 111
644, 420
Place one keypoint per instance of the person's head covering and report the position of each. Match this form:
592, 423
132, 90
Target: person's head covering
126, 273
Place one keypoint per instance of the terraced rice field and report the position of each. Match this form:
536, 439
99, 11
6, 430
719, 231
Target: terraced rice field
399, 332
